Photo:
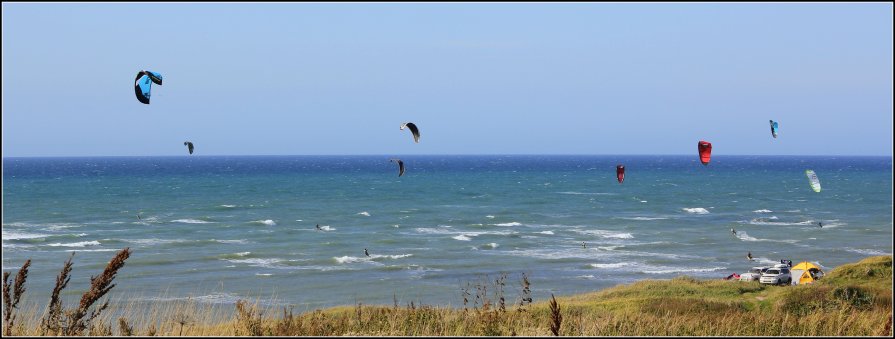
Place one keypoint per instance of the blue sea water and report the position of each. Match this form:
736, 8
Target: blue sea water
217, 229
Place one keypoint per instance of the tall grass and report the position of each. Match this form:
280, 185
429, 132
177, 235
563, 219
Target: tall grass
12, 302
856, 300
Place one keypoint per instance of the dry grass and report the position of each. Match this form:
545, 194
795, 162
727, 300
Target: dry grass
856, 301
12, 302
555, 316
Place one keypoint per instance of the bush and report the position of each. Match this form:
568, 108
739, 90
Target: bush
854, 296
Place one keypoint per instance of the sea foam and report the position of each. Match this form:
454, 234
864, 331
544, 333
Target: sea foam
190, 221
615, 265
606, 234
696, 210
267, 222
76, 244
13, 235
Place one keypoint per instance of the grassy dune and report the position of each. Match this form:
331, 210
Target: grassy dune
852, 300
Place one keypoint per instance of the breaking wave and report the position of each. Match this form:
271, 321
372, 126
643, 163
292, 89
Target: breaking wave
267, 222
189, 221
696, 210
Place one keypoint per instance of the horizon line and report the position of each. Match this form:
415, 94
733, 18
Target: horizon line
444, 154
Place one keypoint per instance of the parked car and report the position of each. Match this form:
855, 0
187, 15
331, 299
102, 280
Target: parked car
754, 274
777, 275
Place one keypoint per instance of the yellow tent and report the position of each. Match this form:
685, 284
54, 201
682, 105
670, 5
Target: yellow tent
806, 273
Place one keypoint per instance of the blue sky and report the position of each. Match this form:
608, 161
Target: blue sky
499, 78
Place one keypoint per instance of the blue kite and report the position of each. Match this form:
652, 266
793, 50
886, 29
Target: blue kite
143, 84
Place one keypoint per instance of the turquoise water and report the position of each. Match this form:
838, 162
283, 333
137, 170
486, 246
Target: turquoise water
217, 229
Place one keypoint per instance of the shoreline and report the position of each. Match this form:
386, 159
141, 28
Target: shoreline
679, 306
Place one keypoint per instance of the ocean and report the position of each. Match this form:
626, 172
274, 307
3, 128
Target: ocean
216, 229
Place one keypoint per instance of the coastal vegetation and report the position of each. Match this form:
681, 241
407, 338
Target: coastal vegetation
852, 300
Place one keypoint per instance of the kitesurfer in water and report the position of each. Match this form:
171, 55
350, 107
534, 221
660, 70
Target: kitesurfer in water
733, 231
318, 227
366, 253
583, 245
749, 256
820, 224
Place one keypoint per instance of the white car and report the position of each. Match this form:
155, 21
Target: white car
777, 275
754, 274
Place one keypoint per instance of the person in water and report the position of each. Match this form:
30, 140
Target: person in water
318, 227
583, 245
366, 253
820, 224
733, 231
749, 256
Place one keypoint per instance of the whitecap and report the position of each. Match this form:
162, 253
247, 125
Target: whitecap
644, 218
13, 246
491, 245
696, 210
642, 200
327, 228
509, 224
264, 274
746, 237
267, 222
349, 259
664, 270
389, 256
446, 231
227, 206
190, 221
606, 234
56, 227
429, 230
364, 213
258, 262
763, 211
13, 235
235, 241
461, 237
546, 232
153, 241
866, 251
215, 298
586, 193
616, 265
76, 244
766, 261
762, 221
489, 216
554, 253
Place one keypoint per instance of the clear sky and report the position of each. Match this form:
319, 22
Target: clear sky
497, 78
